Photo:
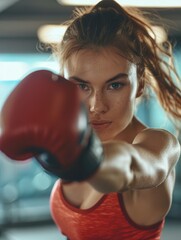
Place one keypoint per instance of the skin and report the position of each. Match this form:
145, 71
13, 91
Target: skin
110, 95
134, 165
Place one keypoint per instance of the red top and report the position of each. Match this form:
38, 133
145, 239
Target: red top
106, 220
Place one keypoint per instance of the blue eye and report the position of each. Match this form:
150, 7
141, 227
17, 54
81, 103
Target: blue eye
115, 85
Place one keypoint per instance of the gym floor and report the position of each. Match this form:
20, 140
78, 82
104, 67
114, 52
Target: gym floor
172, 231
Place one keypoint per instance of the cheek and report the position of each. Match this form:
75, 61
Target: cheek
123, 107
124, 100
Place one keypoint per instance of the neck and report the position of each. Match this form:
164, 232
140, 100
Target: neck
130, 132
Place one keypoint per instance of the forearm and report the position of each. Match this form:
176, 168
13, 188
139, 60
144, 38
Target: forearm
115, 172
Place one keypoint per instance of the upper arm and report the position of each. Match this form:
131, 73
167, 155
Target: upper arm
155, 153
144, 164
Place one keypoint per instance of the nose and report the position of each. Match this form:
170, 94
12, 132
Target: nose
97, 103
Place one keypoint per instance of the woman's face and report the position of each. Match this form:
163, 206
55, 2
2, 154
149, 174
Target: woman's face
108, 84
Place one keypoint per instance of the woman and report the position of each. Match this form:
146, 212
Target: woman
111, 54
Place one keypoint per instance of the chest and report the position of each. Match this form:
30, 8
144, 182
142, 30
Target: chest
91, 215
81, 195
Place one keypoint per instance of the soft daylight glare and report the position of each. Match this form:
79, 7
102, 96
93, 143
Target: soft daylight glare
51, 33
136, 3
54, 33
160, 34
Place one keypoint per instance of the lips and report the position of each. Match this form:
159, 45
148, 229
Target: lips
100, 124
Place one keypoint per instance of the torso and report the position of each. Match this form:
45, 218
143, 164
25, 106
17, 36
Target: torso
144, 207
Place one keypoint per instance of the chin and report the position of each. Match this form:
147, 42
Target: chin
103, 136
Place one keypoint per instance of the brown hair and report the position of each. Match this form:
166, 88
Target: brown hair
130, 32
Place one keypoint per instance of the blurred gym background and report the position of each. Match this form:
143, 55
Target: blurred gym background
25, 27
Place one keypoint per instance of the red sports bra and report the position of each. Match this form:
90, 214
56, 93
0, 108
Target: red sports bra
106, 220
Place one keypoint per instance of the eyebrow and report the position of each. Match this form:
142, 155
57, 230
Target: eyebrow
118, 76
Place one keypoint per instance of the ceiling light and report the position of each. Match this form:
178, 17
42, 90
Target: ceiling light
135, 3
160, 34
78, 2
51, 33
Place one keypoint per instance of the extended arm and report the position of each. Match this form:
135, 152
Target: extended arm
144, 164
49, 130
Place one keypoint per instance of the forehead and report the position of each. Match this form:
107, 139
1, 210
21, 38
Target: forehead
103, 60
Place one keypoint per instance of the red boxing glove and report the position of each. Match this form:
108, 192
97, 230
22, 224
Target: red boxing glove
44, 118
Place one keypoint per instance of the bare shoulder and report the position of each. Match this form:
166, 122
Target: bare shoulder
157, 133
164, 150
158, 140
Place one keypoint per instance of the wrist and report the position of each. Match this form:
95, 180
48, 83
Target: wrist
88, 162
83, 167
